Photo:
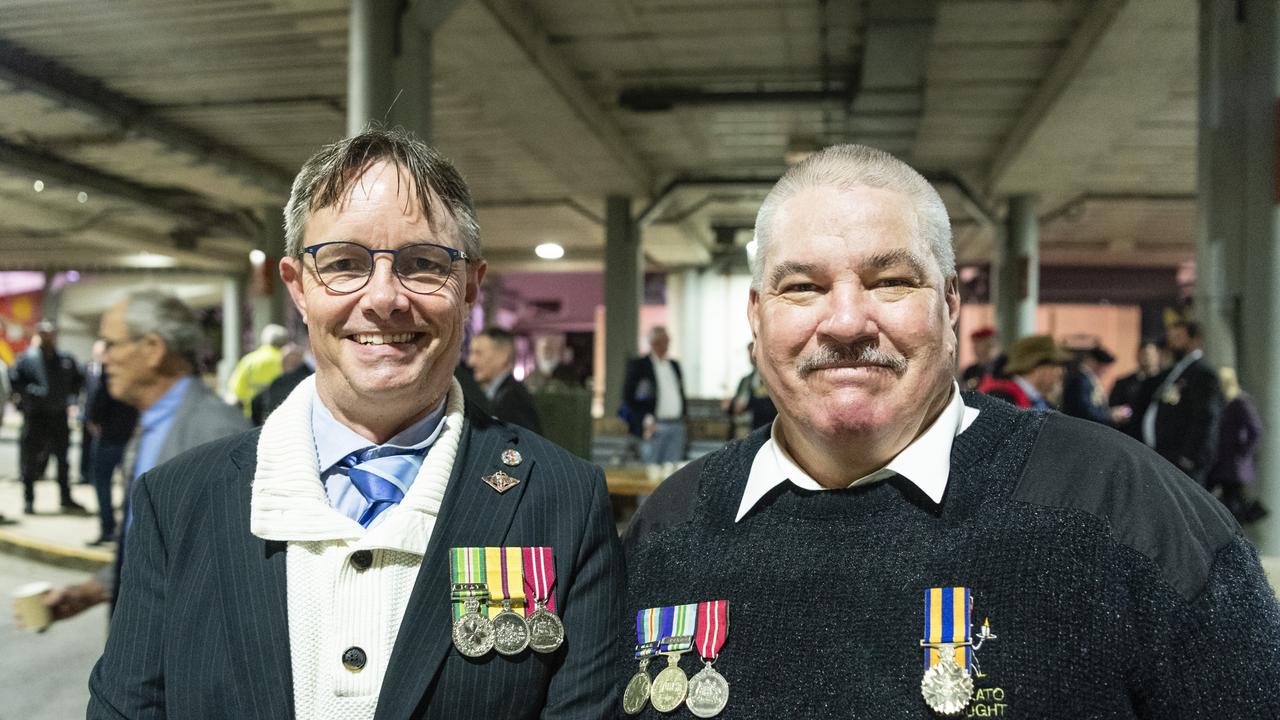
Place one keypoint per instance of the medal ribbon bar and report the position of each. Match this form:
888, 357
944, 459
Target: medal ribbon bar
684, 622
539, 578
713, 626
946, 622
504, 571
652, 625
466, 570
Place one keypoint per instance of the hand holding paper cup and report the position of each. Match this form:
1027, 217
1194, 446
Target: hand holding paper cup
29, 609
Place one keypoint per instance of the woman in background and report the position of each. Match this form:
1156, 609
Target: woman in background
1239, 434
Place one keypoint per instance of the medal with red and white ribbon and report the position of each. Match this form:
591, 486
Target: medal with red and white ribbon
708, 690
546, 632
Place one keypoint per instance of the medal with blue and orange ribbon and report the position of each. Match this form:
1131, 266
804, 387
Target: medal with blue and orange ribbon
947, 685
650, 630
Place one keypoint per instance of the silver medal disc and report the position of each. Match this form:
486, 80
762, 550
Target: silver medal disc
947, 687
473, 634
546, 632
669, 687
708, 693
510, 633
636, 694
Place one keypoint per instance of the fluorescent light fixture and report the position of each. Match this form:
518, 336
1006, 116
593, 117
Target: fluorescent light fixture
549, 251
150, 260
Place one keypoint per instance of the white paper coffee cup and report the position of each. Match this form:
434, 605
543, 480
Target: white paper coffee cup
29, 608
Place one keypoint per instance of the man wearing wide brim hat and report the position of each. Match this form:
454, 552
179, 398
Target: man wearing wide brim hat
1034, 369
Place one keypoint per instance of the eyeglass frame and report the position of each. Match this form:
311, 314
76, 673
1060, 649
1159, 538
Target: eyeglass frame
453, 253
107, 344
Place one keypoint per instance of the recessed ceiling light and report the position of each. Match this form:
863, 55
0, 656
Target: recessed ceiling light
82, 197
257, 257
38, 186
549, 251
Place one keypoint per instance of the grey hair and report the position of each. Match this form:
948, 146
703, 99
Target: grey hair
849, 166
161, 313
327, 177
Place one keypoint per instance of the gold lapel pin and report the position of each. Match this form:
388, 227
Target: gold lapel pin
500, 481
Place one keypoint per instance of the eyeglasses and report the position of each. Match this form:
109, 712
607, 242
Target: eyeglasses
345, 267
107, 344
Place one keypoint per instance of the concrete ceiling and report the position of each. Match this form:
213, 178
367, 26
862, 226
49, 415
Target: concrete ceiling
165, 133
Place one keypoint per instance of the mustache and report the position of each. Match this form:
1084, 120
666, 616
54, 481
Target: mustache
860, 355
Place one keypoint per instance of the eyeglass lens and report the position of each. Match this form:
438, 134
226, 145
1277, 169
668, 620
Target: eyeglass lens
346, 267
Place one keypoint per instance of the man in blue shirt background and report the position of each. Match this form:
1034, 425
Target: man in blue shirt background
151, 339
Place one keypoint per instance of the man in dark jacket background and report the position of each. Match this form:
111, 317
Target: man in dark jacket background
493, 361
46, 381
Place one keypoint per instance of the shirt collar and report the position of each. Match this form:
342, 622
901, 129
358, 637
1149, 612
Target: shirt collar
925, 462
335, 441
163, 408
491, 389
1032, 394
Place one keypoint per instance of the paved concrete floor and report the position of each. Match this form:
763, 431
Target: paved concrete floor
45, 676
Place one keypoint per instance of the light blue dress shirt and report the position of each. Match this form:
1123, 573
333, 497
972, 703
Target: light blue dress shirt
155, 422
335, 441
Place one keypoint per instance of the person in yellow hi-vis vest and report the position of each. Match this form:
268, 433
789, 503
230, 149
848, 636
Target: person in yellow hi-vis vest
257, 369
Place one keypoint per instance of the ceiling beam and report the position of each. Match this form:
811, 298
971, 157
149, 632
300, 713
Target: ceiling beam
527, 32
129, 117
181, 204
1091, 29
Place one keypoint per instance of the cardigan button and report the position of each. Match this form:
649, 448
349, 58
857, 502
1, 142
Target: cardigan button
362, 559
354, 659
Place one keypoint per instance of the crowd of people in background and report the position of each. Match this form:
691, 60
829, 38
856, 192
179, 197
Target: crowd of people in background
1196, 417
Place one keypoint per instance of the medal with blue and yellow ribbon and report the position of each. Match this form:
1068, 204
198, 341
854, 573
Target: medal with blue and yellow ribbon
948, 653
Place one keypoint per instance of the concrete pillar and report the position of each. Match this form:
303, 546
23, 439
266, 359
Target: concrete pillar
1017, 270
232, 328
50, 299
1240, 226
413, 73
371, 34
1220, 184
623, 288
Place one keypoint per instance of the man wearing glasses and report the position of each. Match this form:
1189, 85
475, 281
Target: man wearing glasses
150, 341
305, 569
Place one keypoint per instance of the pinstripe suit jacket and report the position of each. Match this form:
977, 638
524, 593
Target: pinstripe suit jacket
201, 630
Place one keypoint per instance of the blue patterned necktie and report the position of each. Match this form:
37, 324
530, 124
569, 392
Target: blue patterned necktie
370, 471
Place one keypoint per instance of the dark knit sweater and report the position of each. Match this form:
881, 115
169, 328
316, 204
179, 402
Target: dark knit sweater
1115, 586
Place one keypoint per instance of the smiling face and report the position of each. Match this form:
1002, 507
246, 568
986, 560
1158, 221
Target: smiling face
384, 355
854, 323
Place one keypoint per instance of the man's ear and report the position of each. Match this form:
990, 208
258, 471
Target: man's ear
952, 297
475, 276
753, 313
291, 272
153, 350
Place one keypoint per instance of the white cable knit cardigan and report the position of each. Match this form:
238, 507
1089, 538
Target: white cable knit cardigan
333, 606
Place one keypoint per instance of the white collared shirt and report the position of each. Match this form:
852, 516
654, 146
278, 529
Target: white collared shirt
667, 392
925, 461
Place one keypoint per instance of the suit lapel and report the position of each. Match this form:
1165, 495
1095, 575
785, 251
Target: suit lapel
472, 514
255, 603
